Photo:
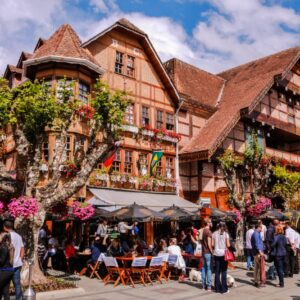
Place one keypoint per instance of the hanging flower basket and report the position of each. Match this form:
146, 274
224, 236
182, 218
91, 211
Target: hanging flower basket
262, 204
70, 169
86, 112
1, 207
23, 206
82, 210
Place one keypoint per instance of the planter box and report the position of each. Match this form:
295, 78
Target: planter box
169, 189
130, 128
170, 139
148, 133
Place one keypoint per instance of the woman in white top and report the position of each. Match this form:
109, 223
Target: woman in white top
174, 249
220, 242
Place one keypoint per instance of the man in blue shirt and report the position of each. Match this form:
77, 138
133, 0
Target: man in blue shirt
257, 252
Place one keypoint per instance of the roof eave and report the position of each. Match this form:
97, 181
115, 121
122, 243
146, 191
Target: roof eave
62, 59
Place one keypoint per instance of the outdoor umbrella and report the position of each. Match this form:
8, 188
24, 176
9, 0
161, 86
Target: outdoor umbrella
136, 212
175, 213
273, 214
219, 214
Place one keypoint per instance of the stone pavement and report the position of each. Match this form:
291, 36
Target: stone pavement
90, 289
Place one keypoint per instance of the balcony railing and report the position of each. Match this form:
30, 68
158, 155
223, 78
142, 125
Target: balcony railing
284, 155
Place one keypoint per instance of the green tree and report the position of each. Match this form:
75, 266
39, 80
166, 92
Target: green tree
31, 111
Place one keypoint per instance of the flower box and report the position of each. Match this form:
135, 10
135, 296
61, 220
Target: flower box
130, 128
149, 133
103, 177
170, 139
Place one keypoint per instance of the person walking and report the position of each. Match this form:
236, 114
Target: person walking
206, 243
248, 248
279, 252
6, 264
257, 252
18, 245
220, 242
291, 251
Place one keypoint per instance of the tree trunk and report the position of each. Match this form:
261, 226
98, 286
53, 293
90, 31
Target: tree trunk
29, 230
239, 245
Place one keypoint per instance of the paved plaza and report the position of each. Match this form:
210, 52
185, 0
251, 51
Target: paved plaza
90, 289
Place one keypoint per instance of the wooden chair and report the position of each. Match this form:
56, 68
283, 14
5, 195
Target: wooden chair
172, 264
115, 273
164, 269
94, 267
155, 268
138, 268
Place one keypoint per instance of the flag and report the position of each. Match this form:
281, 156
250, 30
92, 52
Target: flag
107, 163
156, 156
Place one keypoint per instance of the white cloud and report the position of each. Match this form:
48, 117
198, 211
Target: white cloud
233, 32
240, 31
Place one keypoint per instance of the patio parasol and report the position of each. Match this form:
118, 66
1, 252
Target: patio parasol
136, 212
175, 213
273, 214
217, 213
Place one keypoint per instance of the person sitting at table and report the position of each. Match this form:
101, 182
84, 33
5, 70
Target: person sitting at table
101, 243
115, 249
174, 249
161, 248
135, 230
181, 237
71, 257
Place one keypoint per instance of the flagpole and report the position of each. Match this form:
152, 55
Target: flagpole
181, 101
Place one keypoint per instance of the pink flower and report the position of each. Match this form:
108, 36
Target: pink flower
82, 210
23, 206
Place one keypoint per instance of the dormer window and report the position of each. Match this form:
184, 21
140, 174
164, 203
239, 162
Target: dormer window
119, 62
83, 91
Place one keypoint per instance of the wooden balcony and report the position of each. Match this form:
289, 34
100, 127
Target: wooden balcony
282, 154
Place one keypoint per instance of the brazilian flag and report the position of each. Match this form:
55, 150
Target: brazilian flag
156, 156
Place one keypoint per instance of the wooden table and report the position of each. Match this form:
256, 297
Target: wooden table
85, 256
196, 257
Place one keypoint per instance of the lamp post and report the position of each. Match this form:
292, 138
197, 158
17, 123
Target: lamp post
181, 101
29, 293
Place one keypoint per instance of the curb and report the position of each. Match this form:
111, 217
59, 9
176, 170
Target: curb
58, 294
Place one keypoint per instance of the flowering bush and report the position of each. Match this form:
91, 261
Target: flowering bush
70, 169
86, 112
255, 210
23, 206
82, 210
238, 216
1, 207
161, 134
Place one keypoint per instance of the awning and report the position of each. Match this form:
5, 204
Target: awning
110, 199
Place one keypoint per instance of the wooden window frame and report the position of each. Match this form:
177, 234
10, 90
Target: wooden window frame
133, 114
159, 124
117, 163
130, 68
168, 158
83, 97
119, 63
128, 166
173, 116
149, 115
147, 163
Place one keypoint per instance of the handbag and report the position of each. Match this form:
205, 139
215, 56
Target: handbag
228, 255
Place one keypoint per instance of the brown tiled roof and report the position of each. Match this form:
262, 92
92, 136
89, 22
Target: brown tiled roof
65, 43
244, 88
195, 83
24, 56
11, 69
126, 23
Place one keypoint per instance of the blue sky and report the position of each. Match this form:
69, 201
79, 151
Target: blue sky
211, 34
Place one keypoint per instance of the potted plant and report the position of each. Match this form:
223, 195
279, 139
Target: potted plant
70, 169
85, 112
102, 177
82, 210
115, 179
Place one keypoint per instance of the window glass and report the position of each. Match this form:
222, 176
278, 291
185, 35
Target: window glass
169, 121
159, 119
128, 162
60, 83
143, 164
119, 62
130, 65
116, 165
169, 167
83, 91
145, 116
129, 114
